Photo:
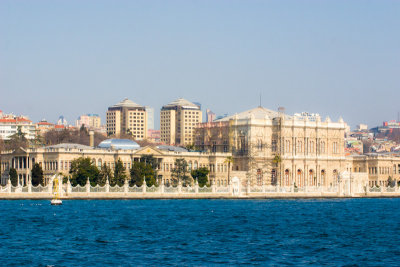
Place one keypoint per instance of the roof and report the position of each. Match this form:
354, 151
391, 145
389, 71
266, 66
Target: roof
181, 102
126, 103
15, 120
70, 146
119, 144
172, 148
258, 113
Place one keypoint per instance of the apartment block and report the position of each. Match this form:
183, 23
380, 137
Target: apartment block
127, 117
178, 120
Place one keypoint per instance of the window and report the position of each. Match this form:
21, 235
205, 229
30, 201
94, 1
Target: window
259, 177
299, 146
274, 145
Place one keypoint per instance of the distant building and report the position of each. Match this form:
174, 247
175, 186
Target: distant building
154, 135
91, 121
150, 117
210, 116
127, 117
178, 120
62, 121
44, 126
362, 127
9, 125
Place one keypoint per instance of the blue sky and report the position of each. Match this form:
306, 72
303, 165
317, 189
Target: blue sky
336, 58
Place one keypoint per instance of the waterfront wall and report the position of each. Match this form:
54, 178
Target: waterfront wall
66, 191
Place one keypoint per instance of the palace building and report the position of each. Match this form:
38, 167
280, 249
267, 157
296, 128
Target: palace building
58, 158
274, 148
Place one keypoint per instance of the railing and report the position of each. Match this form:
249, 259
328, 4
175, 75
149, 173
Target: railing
116, 188
40, 188
135, 189
171, 189
78, 189
97, 189
205, 189
244, 190
374, 189
222, 189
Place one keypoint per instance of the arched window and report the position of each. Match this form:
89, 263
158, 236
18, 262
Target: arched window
286, 182
99, 163
195, 165
322, 177
311, 178
273, 177
299, 181
335, 176
287, 146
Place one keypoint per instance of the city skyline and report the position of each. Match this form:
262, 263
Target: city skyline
333, 58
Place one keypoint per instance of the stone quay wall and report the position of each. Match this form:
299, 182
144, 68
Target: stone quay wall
66, 191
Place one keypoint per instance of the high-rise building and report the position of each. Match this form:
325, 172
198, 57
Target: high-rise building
91, 121
127, 117
210, 116
150, 117
178, 120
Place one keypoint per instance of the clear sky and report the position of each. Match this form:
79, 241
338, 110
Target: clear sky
336, 58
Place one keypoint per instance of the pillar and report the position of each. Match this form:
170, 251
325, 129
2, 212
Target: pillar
144, 186
87, 185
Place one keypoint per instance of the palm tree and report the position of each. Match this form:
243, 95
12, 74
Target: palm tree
229, 160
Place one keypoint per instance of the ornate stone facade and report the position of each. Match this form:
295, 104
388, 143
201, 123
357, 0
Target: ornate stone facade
273, 148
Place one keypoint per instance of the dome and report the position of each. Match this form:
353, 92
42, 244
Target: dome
119, 144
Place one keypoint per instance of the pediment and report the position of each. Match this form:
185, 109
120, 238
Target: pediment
19, 150
149, 150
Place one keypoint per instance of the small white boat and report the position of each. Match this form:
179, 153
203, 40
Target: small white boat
56, 198
56, 202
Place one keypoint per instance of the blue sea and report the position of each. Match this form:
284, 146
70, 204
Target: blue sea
333, 232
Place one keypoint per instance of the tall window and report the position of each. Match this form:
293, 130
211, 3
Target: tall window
299, 146
259, 145
335, 148
311, 147
274, 145
286, 177
259, 177
311, 178
323, 177
273, 177
287, 146
322, 147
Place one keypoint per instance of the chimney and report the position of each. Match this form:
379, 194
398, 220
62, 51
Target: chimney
91, 138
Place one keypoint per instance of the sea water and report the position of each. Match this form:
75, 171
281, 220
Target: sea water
334, 232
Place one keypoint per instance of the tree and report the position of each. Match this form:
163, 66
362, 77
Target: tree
81, 169
179, 172
105, 173
140, 171
119, 173
13, 176
229, 160
37, 175
201, 175
17, 140
391, 182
